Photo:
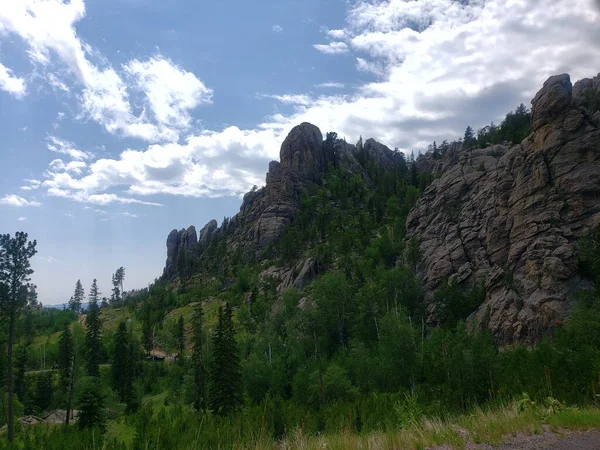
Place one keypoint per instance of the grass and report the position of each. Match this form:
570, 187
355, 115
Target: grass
121, 432
491, 426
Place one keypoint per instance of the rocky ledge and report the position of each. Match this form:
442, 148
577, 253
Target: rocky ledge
511, 217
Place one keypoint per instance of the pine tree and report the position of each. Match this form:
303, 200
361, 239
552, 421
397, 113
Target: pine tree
226, 390
91, 405
117, 281
469, 138
21, 357
414, 174
198, 365
180, 337
93, 335
66, 367
43, 392
123, 367
32, 301
15, 271
77, 299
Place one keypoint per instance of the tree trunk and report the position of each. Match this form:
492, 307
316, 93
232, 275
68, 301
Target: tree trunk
10, 420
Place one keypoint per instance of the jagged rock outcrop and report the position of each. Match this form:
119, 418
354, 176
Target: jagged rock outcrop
186, 239
512, 217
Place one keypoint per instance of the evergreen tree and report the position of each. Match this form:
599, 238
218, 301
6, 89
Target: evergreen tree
469, 138
32, 301
226, 389
43, 392
91, 405
93, 335
414, 174
198, 364
117, 281
77, 299
15, 271
66, 367
123, 367
180, 337
21, 357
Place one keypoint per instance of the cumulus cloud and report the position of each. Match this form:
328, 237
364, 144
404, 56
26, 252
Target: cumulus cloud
48, 29
433, 67
10, 83
333, 48
22, 219
209, 164
277, 28
15, 200
337, 34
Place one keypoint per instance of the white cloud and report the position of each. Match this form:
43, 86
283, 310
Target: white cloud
171, 92
15, 200
10, 83
128, 214
277, 28
331, 84
337, 34
66, 148
48, 28
333, 48
22, 219
33, 184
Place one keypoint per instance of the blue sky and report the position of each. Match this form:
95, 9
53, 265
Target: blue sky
123, 119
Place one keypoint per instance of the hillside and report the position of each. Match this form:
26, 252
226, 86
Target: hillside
360, 298
506, 217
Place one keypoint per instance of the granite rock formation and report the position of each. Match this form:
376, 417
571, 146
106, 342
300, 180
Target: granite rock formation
511, 217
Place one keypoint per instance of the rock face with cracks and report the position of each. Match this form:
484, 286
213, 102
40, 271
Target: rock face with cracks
511, 217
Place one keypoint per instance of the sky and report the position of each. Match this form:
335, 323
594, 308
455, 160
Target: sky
121, 120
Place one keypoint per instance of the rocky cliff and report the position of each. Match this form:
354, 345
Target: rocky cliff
511, 217
265, 213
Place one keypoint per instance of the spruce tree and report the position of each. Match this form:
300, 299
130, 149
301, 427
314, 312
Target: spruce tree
180, 337
93, 335
226, 390
43, 392
15, 271
91, 405
198, 364
66, 367
123, 367
77, 299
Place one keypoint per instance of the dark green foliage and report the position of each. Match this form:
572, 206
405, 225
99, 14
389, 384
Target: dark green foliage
91, 404
117, 282
15, 272
77, 299
21, 356
454, 305
469, 137
589, 255
124, 367
93, 337
513, 129
44, 392
66, 359
200, 373
226, 376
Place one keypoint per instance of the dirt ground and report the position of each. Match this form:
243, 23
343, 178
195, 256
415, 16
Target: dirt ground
587, 440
